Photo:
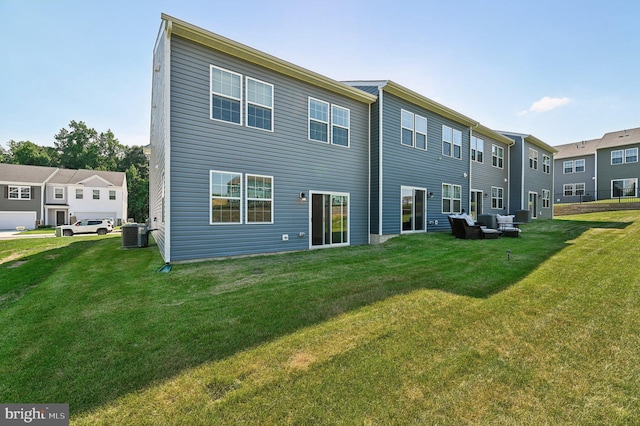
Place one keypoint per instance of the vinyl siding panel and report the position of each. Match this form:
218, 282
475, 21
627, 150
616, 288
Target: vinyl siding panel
484, 176
199, 145
608, 172
32, 205
561, 178
408, 166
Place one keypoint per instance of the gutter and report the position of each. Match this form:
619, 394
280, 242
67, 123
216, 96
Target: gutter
43, 186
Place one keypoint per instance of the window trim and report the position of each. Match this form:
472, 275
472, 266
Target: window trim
567, 167
533, 161
584, 166
621, 151
475, 150
626, 155
576, 190
546, 199
500, 158
61, 192
309, 119
497, 201
425, 133
247, 199
115, 195
403, 127
240, 197
546, 164
19, 191
571, 188
94, 194
248, 102
212, 93
451, 199
81, 193
347, 128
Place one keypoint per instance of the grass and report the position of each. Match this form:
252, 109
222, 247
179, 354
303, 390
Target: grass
423, 329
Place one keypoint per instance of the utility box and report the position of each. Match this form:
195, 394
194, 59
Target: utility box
135, 235
523, 216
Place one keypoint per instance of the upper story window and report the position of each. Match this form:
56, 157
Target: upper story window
259, 104
79, 193
629, 155
579, 166
497, 156
451, 142
19, 192
226, 95
319, 123
58, 193
546, 164
533, 159
567, 167
414, 130
616, 156
96, 194
318, 120
112, 194
477, 149
340, 119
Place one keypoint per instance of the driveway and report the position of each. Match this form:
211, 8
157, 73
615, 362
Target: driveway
9, 235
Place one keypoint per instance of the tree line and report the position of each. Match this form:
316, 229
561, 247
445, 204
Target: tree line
82, 147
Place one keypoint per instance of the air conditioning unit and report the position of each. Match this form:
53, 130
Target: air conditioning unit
135, 235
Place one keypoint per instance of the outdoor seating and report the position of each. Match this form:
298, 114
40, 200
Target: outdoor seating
508, 226
462, 229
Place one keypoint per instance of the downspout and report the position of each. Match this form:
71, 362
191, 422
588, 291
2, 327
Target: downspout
523, 203
167, 144
43, 188
595, 175
369, 181
470, 168
380, 162
508, 189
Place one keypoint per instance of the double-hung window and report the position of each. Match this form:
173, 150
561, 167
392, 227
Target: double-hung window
580, 166
421, 132
96, 194
546, 164
259, 104
579, 188
318, 120
477, 149
259, 199
19, 192
112, 194
497, 156
58, 193
407, 119
631, 155
567, 189
567, 167
617, 156
451, 142
226, 95
340, 119
546, 198
533, 159
497, 197
79, 193
451, 198
226, 197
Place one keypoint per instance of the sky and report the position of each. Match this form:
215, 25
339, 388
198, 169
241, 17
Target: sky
562, 70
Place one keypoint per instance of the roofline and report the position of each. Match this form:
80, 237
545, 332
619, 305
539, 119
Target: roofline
532, 139
249, 54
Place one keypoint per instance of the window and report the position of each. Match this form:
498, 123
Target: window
616, 156
567, 189
96, 194
79, 193
340, 125
624, 188
58, 193
318, 120
19, 192
421, 132
451, 142
497, 197
631, 155
533, 159
226, 95
579, 166
259, 199
259, 104
226, 197
112, 194
546, 164
407, 128
477, 149
413, 209
546, 198
579, 188
497, 156
451, 198
567, 167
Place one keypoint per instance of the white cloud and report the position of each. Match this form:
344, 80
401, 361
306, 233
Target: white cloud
546, 104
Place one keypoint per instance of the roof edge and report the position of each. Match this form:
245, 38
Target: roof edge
239, 50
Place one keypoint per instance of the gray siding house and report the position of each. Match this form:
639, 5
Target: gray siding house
531, 180
423, 167
251, 154
598, 169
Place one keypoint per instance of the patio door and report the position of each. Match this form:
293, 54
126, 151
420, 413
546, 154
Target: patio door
413, 205
533, 204
329, 219
476, 203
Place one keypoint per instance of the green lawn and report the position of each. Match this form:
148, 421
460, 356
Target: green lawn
423, 329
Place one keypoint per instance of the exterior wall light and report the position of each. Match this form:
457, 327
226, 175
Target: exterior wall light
303, 196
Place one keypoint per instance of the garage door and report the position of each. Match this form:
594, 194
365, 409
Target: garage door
11, 220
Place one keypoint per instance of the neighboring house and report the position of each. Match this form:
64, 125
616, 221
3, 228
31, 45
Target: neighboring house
575, 172
252, 154
598, 169
427, 162
531, 177
34, 195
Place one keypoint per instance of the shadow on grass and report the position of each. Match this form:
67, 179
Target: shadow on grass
105, 324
